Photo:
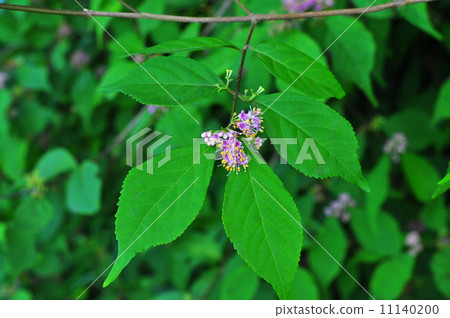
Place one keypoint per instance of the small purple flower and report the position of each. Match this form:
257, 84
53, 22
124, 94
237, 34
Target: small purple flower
64, 31
80, 59
339, 208
233, 156
258, 142
3, 78
243, 116
304, 5
242, 126
396, 146
414, 242
153, 108
250, 123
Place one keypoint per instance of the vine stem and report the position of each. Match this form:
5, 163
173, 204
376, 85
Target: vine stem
241, 68
126, 5
243, 7
186, 19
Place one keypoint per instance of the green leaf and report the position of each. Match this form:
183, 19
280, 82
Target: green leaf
34, 77
156, 7
239, 281
31, 217
383, 239
353, 52
420, 175
55, 162
442, 105
5, 101
83, 191
85, 96
390, 278
443, 185
333, 239
434, 215
304, 286
263, 223
183, 80
156, 209
440, 267
417, 15
296, 68
415, 124
176, 122
379, 188
191, 44
315, 126
13, 157
384, 14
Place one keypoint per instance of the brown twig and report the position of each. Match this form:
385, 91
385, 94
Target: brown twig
222, 10
184, 19
241, 67
126, 5
243, 7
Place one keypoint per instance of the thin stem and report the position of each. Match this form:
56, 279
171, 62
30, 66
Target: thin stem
241, 67
128, 6
222, 10
243, 7
184, 19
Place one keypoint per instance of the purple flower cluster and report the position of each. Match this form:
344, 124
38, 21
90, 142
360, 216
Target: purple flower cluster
414, 242
396, 146
304, 5
339, 208
80, 59
250, 123
233, 155
64, 31
227, 140
153, 108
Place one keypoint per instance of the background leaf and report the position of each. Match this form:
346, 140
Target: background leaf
421, 176
353, 53
332, 237
239, 282
383, 239
32, 216
442, 105
440, 267
443, 185
418, 16
390, 277
83, 192
379, 183
55, 162
304, 286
